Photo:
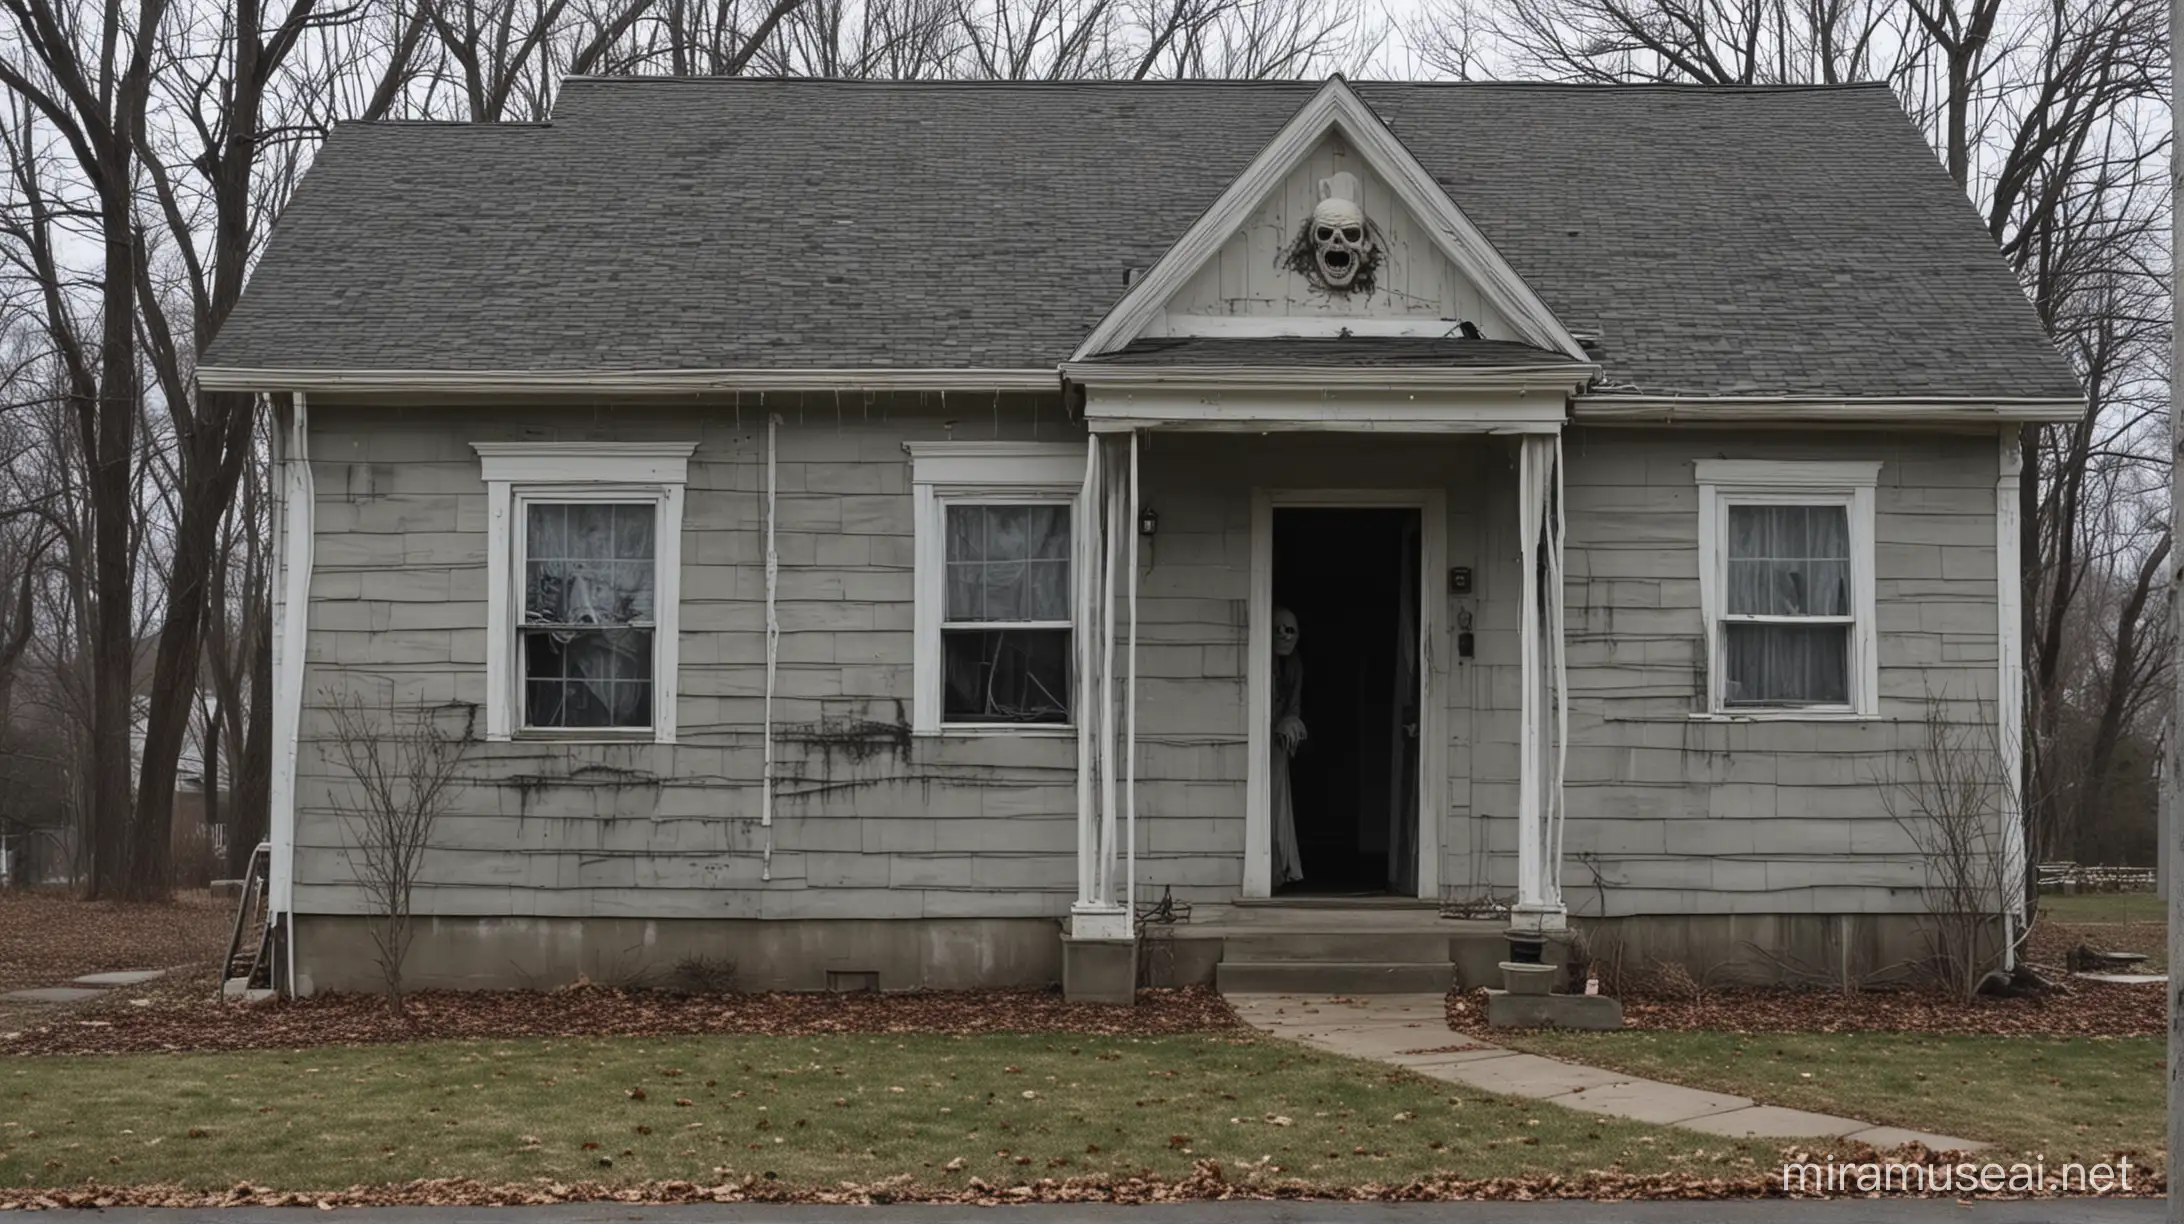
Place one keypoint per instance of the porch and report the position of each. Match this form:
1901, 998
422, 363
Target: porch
1213, 503
1324, 945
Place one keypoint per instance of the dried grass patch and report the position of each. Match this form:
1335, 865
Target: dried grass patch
48, 936
191, 1021
962, 1116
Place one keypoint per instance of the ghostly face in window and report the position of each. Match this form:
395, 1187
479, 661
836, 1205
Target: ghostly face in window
1285, 632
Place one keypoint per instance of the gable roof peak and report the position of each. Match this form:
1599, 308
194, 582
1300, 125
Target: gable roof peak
1334, 107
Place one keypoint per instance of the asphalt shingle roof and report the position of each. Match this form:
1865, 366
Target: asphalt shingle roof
1720, 241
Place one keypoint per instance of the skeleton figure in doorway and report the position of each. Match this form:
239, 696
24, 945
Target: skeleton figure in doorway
1288, 738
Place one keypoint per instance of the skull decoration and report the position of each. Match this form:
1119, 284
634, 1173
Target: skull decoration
1336, 247
1286, 631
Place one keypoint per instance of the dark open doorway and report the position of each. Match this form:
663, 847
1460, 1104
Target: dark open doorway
1350, 577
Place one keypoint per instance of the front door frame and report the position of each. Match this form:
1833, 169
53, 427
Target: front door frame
1432, 507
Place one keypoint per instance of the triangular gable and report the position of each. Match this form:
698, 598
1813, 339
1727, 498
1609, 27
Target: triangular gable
1418, 206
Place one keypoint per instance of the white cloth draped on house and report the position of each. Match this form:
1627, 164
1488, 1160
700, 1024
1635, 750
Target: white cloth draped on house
1105, 663
1544, 735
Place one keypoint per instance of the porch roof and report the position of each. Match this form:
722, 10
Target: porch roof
1348, 352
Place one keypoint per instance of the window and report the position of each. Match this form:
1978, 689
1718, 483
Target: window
1005, 632
583, 575
998, 546
1786, 582
587, 631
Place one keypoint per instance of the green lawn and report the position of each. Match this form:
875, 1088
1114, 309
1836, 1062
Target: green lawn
808, 1110
2105, 907
2111, 922
2066, 1098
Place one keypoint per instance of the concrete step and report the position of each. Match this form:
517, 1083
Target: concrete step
1386, 947
1333, 977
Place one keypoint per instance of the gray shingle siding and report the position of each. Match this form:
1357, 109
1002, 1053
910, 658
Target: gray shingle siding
1677, 816
1733, 241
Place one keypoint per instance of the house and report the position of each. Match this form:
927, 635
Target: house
902, 533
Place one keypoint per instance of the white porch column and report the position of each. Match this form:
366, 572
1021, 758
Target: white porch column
1098, 914
1129, 722
294, 540
1086, 551
1543, 724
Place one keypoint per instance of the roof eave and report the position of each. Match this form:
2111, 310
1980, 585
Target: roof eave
1561, 377
618, 382
1873, 410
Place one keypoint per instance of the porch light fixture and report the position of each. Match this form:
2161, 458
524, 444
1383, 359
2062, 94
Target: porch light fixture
1148, 522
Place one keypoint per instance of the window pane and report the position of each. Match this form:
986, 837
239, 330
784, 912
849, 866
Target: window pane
587, 677
1008, 563
1005, 675
588, 563
1786, 664
1789, 560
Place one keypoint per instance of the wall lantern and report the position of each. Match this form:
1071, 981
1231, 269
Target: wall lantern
1148, 521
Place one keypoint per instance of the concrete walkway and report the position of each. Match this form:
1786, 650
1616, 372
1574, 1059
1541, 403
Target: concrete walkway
1411, 1031
89, 986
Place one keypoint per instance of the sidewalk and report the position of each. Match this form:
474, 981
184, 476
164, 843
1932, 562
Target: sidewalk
1411, 1031
80, 989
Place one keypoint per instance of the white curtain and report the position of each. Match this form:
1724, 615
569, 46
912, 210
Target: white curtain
1789, 561
1008, 563
588, 587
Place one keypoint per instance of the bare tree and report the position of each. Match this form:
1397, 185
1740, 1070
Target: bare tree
231, 57
402, 765
1709, 42
21, 552
84, 72
1953, 799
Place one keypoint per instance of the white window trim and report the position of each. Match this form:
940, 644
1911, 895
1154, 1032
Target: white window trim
1012, 473
1726, 482
518, 472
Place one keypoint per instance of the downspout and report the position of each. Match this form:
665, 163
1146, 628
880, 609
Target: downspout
773, 652
2009, 702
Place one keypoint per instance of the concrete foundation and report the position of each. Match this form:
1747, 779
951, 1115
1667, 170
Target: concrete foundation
1100, 971
1842, 950
335, 953
1552, 1011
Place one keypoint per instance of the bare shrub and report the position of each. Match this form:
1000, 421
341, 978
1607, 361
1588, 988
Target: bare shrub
403, 764
1672, 980
702, 975
1954, 798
